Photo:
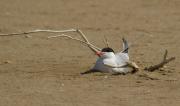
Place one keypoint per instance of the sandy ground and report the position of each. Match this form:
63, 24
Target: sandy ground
38, 71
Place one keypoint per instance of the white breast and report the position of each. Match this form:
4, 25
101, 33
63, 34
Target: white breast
118, 60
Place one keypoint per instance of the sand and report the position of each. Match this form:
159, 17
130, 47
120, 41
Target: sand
37, 71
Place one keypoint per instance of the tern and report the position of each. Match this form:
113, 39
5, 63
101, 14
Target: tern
117, 63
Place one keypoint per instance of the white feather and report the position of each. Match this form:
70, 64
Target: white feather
114, 62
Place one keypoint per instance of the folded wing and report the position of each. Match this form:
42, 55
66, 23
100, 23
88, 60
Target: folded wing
123, 57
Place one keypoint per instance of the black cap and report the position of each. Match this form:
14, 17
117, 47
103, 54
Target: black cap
107, 49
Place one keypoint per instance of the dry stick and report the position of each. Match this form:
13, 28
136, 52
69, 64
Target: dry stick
89, 44
39, 30
106, 41
165, 55
85, 38
161, 64
67, 36
147, 77
92, 47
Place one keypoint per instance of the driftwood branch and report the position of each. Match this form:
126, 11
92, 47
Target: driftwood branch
86, 41
39, 30
106, 41
94, 48
161, 64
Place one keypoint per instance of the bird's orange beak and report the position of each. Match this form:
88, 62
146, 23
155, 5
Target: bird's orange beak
99, 53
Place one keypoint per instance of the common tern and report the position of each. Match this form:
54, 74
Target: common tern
116, 63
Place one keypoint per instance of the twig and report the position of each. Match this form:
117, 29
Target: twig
91, 46
38, 30
106, 41
147, 77
67, 36
83, 36
86, 41
165, 55
161, 64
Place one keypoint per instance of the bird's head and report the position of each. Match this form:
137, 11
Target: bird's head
105, 53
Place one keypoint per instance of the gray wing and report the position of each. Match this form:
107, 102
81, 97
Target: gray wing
125, 46
123, 57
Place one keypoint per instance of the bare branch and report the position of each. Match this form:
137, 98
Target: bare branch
63, 35
161, 64
147, 77
38, 30
83, 36
165, 55
106, 41
91, 46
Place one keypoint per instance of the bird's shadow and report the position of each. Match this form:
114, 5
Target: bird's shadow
92, 71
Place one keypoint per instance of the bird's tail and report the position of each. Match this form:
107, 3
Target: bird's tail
125, 46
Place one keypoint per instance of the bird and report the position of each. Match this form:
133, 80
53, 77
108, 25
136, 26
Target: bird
113, 62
